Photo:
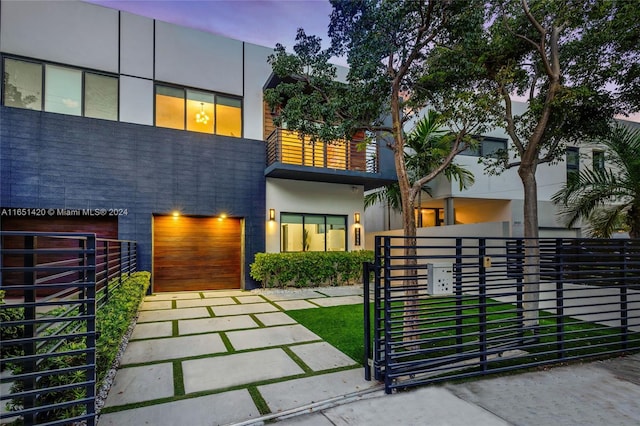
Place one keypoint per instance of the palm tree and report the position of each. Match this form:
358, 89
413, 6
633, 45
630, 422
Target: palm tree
607, 199
428, 146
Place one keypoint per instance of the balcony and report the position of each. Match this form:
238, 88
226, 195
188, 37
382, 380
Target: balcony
291, 157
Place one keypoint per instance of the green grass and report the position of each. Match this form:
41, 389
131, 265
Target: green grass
341, 326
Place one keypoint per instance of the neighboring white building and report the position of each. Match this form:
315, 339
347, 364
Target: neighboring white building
492, 198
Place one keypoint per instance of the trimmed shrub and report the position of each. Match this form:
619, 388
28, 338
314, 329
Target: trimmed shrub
113, 319
309, 269
112, 322
10, 333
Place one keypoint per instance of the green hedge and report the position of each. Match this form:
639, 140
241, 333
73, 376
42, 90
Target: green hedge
113, 319
309, 269
112, 322
10, 333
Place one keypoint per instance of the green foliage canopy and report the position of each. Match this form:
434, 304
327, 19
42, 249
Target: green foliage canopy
607, 199
387, 46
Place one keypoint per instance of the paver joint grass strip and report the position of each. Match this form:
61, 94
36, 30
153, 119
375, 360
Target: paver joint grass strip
255, 318
174, 304
297, 359
178, 379
210, 310
227, 343
258, 400
174, 328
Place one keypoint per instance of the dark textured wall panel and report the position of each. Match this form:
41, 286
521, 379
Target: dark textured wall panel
57, 161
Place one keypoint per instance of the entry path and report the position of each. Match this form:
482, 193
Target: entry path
220, 357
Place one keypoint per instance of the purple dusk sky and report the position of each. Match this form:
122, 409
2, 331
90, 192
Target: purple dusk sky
262, 22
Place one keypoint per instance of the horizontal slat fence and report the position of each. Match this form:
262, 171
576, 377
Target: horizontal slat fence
51, 311
463, 307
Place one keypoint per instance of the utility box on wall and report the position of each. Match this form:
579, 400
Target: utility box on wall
439, 278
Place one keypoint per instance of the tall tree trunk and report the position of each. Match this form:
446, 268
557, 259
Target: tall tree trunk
409, 227
407, 196
531, 267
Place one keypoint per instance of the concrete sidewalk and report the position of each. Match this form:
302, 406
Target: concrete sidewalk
598, 393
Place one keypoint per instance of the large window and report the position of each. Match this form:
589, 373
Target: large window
429, 217
573, 162
100, 96
198, 111
22, 84
598, 160
488, 147
311, 232
63, 90
66, 90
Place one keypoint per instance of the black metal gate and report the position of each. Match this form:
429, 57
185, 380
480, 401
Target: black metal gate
53, 284
462, 307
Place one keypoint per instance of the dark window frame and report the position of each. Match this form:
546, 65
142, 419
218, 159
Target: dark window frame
573, 169
325, 216
598, 160
482, 151
184, 89
43, 65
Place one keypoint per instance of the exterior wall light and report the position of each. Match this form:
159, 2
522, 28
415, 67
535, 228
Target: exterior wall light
356, 218
272, 215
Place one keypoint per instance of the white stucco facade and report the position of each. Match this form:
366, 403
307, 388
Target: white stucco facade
290, 196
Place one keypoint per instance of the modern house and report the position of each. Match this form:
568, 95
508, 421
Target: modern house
138, 129
493, 198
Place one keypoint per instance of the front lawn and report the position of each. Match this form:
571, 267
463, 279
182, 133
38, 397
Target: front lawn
341, 326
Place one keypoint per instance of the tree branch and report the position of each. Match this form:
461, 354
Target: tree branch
511, 126
455, 150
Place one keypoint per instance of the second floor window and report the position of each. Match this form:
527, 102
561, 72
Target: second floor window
598, 161
54, 88
573, 162
198, 111
488, 147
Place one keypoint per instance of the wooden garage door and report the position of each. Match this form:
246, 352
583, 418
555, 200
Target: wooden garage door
195, 253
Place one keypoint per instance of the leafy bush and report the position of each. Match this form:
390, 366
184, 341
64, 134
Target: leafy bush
308, 269
114, 318
112, 322
9, 332
65, 360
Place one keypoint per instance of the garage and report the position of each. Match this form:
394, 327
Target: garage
196, 253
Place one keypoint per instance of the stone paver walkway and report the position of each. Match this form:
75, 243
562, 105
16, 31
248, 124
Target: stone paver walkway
221, 357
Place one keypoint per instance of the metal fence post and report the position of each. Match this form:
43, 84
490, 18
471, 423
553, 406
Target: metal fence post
624, 312
119, 263
377, 374
458, 294
82, 275
482, 299
387, 313
520, 288
106, 268
90, 302
30, 330
560, 299
367, 321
